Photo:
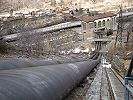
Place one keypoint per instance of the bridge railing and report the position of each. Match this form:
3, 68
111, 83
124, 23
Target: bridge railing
129, 88
129, 82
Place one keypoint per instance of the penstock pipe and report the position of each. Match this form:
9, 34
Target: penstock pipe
51, 82
6, 64
23, 63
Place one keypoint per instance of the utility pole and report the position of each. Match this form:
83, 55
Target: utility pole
119, 28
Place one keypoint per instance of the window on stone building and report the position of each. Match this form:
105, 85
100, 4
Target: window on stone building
114, 20
91, 25
99, 24
108, 24
84, 26
103, 23
95, 25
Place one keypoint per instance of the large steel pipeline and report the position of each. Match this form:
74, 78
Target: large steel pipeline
95, 56
51, 82
7, 64
23, 63
91, 56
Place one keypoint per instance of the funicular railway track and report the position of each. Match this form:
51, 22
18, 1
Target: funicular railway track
116, 84
120, 78
49, 82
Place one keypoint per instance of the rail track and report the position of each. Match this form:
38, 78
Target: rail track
116, 84
120, 78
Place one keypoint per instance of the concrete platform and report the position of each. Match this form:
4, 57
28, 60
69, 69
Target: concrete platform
99, 87
117, 87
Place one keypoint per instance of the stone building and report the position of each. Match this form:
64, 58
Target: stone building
90, 23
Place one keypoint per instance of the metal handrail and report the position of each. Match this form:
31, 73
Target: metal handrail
129, 78
129, 88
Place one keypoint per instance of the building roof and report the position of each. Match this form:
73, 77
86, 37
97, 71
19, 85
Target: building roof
96, 17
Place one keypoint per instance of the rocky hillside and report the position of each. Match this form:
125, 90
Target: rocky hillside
6, 5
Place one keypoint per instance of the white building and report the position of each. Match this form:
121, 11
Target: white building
90, 23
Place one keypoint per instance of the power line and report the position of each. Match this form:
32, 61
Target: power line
119, 28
